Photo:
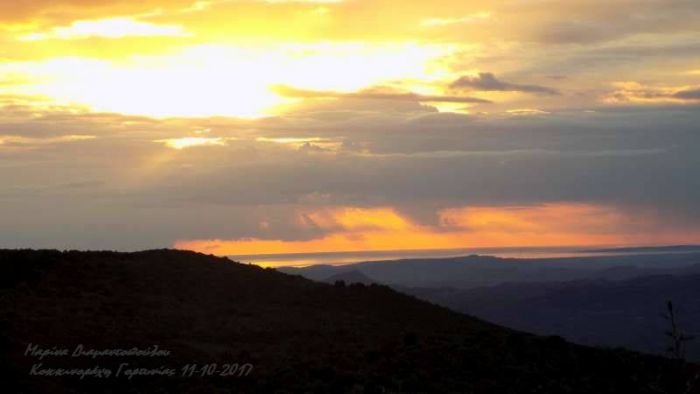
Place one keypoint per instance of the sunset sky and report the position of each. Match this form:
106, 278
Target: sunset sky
240, 127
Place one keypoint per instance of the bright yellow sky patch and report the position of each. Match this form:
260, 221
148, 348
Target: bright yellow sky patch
107, 28
438, 22
189, 142
211, 80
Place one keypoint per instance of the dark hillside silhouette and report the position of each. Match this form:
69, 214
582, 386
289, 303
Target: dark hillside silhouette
299, 335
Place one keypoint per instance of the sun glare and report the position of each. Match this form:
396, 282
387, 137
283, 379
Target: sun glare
108, 28
189, 142
219, 80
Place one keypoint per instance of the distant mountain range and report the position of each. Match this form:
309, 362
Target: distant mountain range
598, 300
296, 334
649, 249
479, 271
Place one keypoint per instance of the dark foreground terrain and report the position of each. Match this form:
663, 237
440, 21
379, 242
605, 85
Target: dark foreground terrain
625, 313
299, 335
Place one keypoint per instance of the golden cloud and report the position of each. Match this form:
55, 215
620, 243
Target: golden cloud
351, 229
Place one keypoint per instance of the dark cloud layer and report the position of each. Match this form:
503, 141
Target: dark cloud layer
376, 94
124, 190
690, 94
489, 83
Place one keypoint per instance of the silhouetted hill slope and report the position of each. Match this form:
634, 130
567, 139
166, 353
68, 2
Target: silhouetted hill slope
301, 336
350, 277
594, 312
479, 271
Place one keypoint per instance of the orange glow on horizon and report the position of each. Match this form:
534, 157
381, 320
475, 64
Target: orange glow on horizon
384, 229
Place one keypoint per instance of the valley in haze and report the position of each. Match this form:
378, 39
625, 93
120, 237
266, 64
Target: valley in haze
613, 300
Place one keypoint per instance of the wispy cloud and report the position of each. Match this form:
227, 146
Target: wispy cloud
376, 94
108, 28
635, 92
21, 141
439, 22
489, 83
191, 142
